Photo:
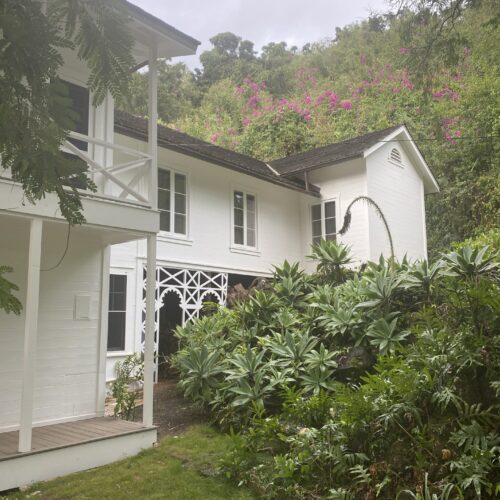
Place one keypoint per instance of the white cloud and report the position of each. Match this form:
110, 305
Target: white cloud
261, 21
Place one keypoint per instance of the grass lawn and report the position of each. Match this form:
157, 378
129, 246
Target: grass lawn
180, 467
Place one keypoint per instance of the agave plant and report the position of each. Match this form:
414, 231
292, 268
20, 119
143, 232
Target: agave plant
423, 276
331, 257
201, 370
385, 336
380, 290
471, 263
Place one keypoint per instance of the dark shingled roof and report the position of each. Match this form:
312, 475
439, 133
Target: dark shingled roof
331, 154
136, 127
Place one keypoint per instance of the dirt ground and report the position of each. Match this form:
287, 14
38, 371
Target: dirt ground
171, 412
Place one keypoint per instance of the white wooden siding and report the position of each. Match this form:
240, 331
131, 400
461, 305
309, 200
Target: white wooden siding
342, 182
398, 190
67, 350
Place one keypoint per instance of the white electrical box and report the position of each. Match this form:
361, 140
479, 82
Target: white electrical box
82, 306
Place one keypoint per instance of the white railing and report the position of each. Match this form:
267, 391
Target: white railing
132, 179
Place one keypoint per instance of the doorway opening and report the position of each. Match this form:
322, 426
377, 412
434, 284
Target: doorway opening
170, 316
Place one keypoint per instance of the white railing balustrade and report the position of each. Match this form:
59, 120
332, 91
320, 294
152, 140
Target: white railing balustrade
131, 179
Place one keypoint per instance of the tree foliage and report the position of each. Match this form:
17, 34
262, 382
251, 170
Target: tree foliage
35, 111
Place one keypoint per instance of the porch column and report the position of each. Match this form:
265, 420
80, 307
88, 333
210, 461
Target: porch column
149, 341
153, 124
30, 334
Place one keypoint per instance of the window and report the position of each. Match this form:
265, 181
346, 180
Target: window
172, 201
324, 221
117, 312
244, 219
79, 97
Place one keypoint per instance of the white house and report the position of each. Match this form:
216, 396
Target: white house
226, 218
53, 356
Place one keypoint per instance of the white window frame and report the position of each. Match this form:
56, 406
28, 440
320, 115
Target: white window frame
129, 314
237, 247
322, 203
172, 235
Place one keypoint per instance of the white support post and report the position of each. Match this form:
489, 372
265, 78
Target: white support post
149, 341
153, 124
102, 347
30, 335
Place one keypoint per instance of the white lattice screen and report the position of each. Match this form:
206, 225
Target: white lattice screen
192, 286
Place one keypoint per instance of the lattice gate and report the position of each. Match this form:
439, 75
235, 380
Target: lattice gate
192, 286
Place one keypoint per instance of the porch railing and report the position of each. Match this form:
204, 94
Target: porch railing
127, 176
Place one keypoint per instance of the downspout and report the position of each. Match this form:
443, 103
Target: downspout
306, 180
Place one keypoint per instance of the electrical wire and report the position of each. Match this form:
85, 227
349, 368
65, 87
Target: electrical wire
64, 253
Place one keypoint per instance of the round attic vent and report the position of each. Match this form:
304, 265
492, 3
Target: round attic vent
395, 157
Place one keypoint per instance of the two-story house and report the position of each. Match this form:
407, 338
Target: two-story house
53, 356
226, 218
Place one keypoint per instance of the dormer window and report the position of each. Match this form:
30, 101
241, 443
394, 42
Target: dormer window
395, 157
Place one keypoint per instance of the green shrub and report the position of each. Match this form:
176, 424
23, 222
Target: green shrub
380, 383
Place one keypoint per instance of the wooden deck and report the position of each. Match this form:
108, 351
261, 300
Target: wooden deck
57, 436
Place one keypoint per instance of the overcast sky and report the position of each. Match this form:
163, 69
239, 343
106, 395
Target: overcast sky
261, 21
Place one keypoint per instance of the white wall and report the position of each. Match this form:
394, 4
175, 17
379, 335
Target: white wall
398, 190
67, 350
208, 241
342, 182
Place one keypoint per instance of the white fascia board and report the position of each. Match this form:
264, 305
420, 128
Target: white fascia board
431, 185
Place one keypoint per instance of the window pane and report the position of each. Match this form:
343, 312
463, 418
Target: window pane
238, 199
251, 220
116, 331
250, 203
180, 203
180, 224
316, 239
329, 209
316, 228
164, 178
117, 292
180, 183
238, 236
238, 217
316, 212
251, 237
331, 237
163, 199
330, 226
165, 220
79, 97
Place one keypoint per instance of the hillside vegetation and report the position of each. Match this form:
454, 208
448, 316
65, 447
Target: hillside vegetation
432, 65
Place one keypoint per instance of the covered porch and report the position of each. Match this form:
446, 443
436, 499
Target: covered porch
68, 447
52, 356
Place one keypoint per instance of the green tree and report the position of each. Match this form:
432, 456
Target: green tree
35, 112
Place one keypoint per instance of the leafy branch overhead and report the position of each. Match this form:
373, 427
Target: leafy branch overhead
9, 303
35, 111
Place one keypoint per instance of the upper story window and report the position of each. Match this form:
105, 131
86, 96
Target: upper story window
324, 221
117, 312
80, 101
244, 219
395, 157
172, 201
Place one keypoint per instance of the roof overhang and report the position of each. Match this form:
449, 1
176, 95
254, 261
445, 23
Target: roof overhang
404, 138
147, 30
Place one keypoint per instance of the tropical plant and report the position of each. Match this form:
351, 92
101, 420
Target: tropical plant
332, 257
129, 376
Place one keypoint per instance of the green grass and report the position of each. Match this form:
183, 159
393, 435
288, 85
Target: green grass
182, 467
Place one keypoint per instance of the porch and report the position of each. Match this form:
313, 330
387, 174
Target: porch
68, 447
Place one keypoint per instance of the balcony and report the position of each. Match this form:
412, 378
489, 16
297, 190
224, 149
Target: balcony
130, 178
